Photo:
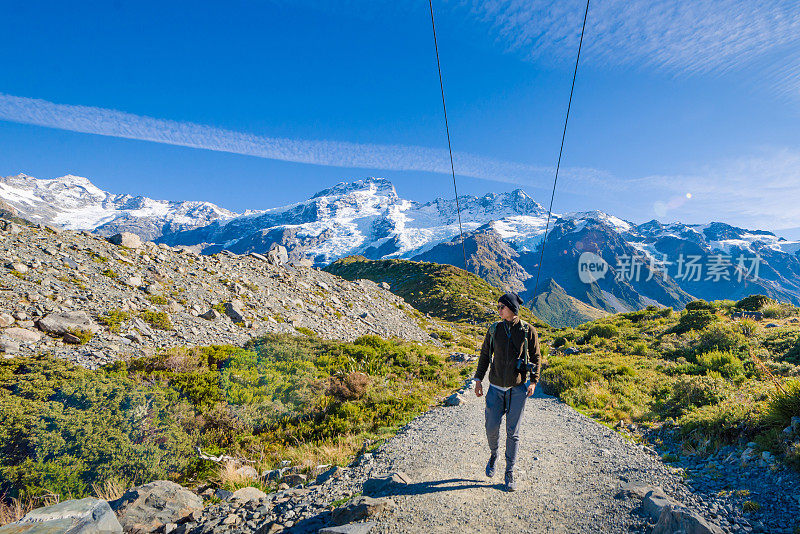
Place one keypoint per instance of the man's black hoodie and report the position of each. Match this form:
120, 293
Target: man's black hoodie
507, 350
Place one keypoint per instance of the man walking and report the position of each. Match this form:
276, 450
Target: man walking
508, 389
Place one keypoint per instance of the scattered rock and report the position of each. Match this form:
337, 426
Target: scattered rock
22, 334
295, 479
331, 473
277, 254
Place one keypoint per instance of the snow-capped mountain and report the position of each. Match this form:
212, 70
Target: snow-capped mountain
503, 232
367, 217
73, 202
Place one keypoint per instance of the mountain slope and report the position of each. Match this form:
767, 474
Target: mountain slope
444, 291
559, 309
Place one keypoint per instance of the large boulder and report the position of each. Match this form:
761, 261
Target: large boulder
248, 494
83, 516
386, 483
148, 508
24, 335
361, 508
235, 310
677, 518
277, 254
654, 502
62, 322
126, 239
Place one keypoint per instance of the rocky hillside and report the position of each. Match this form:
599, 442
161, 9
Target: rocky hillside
82, 297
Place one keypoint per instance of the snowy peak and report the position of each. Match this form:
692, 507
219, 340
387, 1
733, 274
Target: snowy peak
75, 203
371, 185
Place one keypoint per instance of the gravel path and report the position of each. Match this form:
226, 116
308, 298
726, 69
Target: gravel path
568, 470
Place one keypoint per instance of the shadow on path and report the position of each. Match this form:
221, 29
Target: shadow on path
436, 486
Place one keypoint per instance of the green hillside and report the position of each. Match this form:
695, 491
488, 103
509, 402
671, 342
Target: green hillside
559, 309
444, 291
718, 380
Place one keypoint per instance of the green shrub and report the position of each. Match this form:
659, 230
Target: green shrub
720, 336
157, 299
559, 377
84, 336
605, 331
696, 319
111, 273
306, 331
784, 405
753, 302
725, 363
746, 327
690, 392
699, 304
157, 319
63, 427
445, 336
779, 311
113, 319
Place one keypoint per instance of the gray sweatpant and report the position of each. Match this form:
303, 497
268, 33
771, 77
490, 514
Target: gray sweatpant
510, 403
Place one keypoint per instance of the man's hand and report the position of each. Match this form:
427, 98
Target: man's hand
531, 388
478, 388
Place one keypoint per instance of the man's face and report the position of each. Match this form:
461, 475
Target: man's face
505, 312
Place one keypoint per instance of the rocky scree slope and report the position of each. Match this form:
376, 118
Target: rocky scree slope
81, 297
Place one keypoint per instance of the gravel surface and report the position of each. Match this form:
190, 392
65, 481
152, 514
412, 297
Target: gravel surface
568, 471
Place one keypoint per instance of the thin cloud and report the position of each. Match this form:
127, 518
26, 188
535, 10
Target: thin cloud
108, 122
757, 191
676, 37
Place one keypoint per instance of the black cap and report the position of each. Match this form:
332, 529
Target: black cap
512, 301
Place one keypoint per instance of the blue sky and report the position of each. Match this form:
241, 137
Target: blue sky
672, 98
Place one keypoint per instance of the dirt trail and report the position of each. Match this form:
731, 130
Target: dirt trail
568, 471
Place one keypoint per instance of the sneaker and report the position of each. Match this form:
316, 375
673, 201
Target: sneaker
490, 465
510, 484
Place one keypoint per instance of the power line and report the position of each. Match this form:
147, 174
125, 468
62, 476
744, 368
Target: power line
561, 150
447, 129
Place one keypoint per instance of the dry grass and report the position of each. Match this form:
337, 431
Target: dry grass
231, 475
110, 490
15, 509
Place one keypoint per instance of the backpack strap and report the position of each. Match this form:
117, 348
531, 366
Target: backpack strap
492, 332
525, 340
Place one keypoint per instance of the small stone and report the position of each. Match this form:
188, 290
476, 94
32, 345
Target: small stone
6, 319
248, 494
211, 314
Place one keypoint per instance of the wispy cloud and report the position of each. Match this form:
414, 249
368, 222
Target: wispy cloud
675, 36
756, 191
114, 123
